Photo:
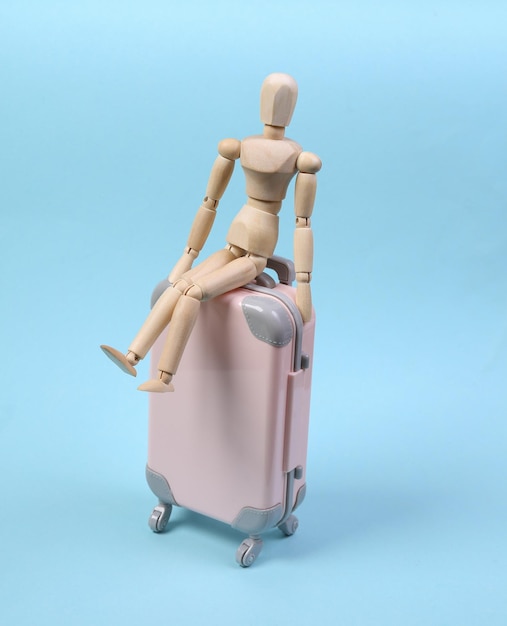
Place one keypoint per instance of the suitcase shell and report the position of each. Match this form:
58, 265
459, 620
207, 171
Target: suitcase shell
231, 441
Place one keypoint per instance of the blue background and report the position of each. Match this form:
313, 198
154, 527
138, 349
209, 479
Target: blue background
110, 113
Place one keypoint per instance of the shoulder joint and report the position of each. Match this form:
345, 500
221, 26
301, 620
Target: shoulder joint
308, 163
230, 148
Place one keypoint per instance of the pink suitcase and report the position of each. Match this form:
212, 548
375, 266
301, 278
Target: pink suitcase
231, 441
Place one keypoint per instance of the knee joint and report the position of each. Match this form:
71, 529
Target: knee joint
194, 291
182, 285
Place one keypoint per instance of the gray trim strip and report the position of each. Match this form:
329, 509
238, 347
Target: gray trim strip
289, 492
297, 364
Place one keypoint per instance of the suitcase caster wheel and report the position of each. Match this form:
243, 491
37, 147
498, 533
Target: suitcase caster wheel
248, 551
159, 517
290, 525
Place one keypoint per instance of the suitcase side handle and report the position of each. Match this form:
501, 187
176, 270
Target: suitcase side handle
284, 269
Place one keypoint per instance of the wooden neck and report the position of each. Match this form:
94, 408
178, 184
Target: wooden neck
273, 132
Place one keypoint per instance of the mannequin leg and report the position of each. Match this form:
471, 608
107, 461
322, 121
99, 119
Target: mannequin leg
154, 324
158, 318
212, 263
233, 275
162, 312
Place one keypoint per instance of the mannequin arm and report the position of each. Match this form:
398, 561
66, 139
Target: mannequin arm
221, 172
308, 165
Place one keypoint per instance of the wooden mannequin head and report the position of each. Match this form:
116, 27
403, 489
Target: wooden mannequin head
279, 93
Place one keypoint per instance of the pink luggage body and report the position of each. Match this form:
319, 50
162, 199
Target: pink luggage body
231, 441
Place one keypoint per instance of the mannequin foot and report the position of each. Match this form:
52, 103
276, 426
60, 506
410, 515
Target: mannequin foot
158, 385
124, 362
